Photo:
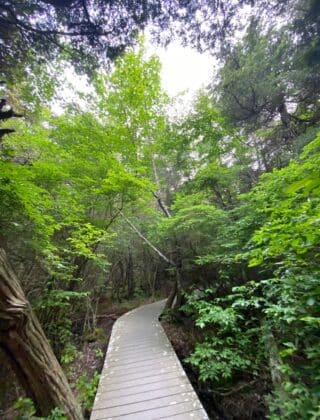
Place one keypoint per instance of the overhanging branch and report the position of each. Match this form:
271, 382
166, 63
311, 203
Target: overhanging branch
156, 250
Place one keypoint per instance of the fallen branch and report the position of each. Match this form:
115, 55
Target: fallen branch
161, 255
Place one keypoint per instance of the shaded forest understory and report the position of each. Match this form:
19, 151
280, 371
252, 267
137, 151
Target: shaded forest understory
82, 361
108, 200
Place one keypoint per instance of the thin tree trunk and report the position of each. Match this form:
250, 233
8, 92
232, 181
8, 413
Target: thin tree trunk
177, 289
153, 284
278, 378
175, 298
118, 285
130, 276
170, 300
161, 255
179, 301
33, 360
157, 194
275, 361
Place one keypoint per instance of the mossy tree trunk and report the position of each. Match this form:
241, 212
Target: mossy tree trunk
27, 347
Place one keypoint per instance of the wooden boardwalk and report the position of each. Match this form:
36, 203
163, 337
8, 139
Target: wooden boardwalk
142, 378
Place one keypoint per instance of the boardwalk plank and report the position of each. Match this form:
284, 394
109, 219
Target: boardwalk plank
142, 377
106, 393
165, 391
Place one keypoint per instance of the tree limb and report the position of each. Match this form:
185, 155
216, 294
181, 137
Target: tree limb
157, 194
161, 255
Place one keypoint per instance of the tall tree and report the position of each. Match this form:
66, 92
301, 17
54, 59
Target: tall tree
23, 340
67, 192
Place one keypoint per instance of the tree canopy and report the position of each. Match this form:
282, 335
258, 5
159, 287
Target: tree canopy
90, 32
114, 200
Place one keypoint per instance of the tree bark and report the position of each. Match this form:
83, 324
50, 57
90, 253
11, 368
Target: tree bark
273, 355
24, 341
170, 301
161, 255
157, 194
175, 299
278, 378
130, 276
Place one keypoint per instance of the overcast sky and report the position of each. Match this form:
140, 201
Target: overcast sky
184, 72
184, 68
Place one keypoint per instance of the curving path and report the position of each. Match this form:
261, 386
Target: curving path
142, 378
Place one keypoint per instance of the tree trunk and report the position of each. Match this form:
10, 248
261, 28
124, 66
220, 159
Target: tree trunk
157, 194
170, 301
278, 378
33, 360
153, 283
130, 276
287, 119
273, 355
161, 255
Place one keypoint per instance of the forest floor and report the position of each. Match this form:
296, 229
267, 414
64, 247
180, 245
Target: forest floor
86, 361
240, 402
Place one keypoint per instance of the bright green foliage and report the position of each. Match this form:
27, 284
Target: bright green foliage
83, 239
56, 414
283, 298
246, 242
207, 129
289, 199
196, 222
25, 407
202, 137
191, 213
224, 350
288, 244
87, 389
64, 180
132, 105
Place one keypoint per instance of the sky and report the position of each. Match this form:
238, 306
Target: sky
184, 71
184, 68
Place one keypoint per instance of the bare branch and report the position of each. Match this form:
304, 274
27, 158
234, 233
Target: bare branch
157, 194
161, 255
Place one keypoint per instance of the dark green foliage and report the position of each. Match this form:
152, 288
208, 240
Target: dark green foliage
90, 31
239, 177
229, 334
55, 311
269, 88
27, 411
236, 325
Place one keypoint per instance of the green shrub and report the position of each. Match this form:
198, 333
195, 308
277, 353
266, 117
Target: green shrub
87, 389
